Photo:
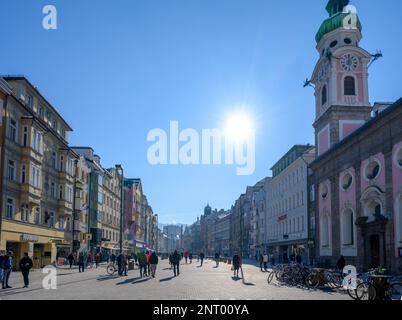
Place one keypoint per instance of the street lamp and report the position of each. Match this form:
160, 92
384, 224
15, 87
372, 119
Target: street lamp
157, 232
120, 167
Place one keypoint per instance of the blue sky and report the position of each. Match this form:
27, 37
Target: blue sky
117, 69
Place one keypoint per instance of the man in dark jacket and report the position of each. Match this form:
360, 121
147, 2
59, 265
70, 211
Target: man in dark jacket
217, 258
7, 267
202, 256
153, 260
176, 263
71, 259
81, 262
121, 264
26, 264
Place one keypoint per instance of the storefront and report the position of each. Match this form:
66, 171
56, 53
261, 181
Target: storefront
38, 242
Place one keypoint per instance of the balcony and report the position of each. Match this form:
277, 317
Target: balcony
64, 176
30, 195
65, 207
32, 154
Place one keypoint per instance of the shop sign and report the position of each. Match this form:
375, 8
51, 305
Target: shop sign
30, 238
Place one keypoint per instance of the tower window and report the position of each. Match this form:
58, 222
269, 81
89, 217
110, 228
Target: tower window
333, 44
348, 41
324, 95
349, 86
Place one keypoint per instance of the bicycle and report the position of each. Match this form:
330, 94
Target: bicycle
111, 268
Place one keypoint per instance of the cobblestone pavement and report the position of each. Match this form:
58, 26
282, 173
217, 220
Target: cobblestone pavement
194, 283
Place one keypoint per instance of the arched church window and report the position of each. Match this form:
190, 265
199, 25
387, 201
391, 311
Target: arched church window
324, 95
348, 228
325, 231
349, 86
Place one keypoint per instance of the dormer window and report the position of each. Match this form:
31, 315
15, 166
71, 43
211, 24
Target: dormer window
324, 95
349, 86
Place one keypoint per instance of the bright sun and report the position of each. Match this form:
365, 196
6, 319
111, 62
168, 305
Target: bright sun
238, 127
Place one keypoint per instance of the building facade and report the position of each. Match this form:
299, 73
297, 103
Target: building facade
287, 204
357, 172
81, 212
37, 176
111, 213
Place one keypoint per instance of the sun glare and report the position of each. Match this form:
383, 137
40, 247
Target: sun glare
238, 127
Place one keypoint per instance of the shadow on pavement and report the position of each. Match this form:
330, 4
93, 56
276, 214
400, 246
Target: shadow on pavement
236, 278
127, 281
167, 279
142, 280
103, 278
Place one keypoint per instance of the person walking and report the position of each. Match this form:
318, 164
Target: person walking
120, 262
202, 256
148, 255
236, 260
217, 258
191, 258
273, 259
186, 256
261, 260
154, 263
26, 264
97, 260
2, 259
265, 260
176, 263
142, 261
171, 261
70, 259
81, 262
7, 267
113, 258
135, 259
125, 265
340, 265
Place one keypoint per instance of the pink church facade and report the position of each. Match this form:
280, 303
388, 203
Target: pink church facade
358, 169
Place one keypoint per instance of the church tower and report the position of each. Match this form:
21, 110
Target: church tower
340, 77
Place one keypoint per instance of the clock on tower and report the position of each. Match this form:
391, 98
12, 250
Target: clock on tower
340, 77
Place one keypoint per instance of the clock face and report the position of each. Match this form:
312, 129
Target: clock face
349, 62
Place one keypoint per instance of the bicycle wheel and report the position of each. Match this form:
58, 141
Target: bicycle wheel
270, 277
312, 281
110, 269
366, 291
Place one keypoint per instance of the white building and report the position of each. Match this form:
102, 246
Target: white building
287, 204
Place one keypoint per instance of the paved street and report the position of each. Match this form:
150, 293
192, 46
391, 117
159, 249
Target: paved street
195, 283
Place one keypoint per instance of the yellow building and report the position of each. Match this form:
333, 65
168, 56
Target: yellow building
37, 176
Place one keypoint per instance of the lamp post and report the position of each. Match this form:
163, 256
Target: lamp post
120, 167
157, 232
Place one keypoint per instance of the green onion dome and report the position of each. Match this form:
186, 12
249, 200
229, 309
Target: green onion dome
336, 19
